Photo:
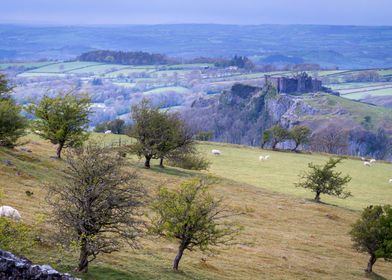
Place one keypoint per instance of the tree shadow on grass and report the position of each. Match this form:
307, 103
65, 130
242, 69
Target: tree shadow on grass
175, 172
375, 276
102, 272
105, 273
310, 200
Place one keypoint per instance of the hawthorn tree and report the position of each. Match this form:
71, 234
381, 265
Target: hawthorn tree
322, 179
150, 126
96, 204
158, 133
12, 124
300, 135
372, 234
63, 120
193, 217
178, 140
276, 134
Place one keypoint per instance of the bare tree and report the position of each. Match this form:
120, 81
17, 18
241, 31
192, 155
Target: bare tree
96, 204
332, 139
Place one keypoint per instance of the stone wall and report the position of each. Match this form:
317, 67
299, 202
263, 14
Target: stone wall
16, 268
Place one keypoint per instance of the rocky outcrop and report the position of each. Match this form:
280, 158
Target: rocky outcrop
16, 268
241, 115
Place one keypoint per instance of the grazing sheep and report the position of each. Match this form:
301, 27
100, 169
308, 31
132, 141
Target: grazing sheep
366, 163
8, 211
372, 160
108, 132
363, 159
261, 158
390, 181
216, 152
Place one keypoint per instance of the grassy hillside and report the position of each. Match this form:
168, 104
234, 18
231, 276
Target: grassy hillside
357, 111
286, 235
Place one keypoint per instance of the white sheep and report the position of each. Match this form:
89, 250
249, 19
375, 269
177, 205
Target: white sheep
8, 211
372, 160
216, 152
108, 132
262, 158
363, 159
390, 181
366, 163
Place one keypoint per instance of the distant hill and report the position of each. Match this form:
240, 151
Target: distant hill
343, 46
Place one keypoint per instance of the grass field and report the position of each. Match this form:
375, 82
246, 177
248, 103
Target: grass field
63, 67
97, 69
167, 89
169, 73
127, 85
286, 236
368, 186
25, 64
128, 70
39, 74
354, 86
372, 92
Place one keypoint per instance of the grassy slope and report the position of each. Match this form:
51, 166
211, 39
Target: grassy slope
368, 186
356, 110
285, 237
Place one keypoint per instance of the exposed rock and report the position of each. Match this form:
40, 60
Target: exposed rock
242, 114
7, 162
16, 268
26, 150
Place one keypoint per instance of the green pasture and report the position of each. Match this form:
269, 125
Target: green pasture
368, 185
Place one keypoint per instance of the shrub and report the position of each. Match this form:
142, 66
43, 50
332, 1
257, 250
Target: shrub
191, 161
16, 237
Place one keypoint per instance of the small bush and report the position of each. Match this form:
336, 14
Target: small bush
190, 161
16, 237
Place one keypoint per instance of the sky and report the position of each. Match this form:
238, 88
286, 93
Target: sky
74, 12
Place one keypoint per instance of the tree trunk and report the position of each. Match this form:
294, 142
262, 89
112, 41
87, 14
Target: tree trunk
59, 149
371, 262
317, 197
274, 144
147, 162
161, 162
296, 147
83, 257
178, 257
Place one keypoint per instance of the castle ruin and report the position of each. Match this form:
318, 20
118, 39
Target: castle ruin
302, 83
